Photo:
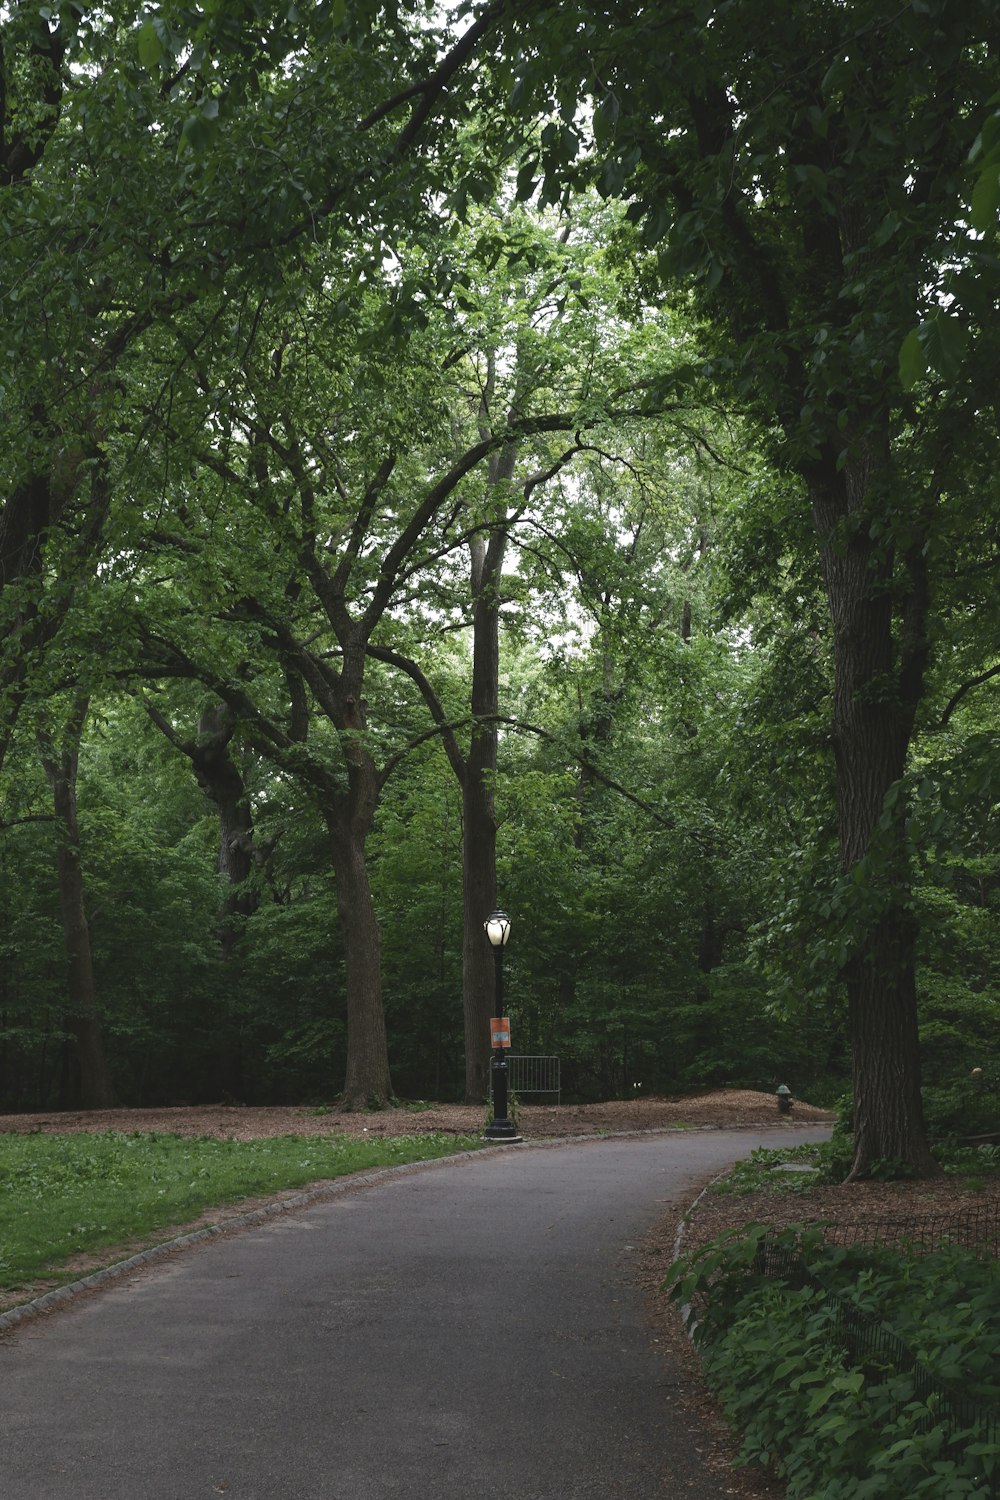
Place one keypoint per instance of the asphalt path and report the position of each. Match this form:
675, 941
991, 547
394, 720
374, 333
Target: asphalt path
469, 1330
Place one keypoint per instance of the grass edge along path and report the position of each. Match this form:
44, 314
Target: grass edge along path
101, 1198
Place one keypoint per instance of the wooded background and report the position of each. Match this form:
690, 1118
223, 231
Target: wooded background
525, 455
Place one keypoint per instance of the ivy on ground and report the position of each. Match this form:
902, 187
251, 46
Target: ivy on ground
805, 1406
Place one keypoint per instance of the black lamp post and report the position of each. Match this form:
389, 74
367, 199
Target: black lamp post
500, 1128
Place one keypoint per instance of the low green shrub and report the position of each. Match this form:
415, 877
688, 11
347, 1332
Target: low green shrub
832, 1160
961, 1108
834, 1431
973, 1161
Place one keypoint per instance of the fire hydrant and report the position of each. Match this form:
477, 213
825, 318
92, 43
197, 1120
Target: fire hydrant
784, 1097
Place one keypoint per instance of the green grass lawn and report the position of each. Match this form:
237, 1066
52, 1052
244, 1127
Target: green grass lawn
65, 1194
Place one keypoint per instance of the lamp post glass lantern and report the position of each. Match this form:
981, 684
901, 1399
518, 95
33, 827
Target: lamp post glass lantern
498, 929
500, 1128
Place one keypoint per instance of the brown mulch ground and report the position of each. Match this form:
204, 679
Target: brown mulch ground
712, 1213
244, 1123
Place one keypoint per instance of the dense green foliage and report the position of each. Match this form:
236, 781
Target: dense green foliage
837, 1424
314, 316
63, 1195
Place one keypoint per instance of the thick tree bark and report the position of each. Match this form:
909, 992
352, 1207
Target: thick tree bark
222, 781
348, 811
878, 679
882, 994
367, 1082
479, 843
91, 1086
349, 814
479, 833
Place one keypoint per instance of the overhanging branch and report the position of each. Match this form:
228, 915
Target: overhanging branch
966, 687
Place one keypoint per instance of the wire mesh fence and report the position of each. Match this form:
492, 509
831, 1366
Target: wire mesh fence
876, 1349
871, 1344
975, 1229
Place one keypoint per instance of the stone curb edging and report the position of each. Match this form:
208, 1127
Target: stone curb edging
686, 1310
73, 1289
60, 1295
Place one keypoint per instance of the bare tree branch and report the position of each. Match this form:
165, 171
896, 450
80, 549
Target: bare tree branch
966, 687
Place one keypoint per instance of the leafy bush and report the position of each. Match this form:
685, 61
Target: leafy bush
830, 1161
833, 1430
961, 1109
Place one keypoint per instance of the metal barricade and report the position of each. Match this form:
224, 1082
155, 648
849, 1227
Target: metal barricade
533, 1075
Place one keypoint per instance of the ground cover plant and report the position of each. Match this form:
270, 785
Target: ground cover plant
63, 1195
850, 1370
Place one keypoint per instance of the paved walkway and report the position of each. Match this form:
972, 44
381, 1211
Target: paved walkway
465, 1331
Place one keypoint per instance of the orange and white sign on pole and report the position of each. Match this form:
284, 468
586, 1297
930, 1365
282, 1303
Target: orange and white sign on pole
500, 1031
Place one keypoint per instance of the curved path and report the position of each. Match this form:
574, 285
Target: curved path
464, 1331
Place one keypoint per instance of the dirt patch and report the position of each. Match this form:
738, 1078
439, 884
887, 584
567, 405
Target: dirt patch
726, 1107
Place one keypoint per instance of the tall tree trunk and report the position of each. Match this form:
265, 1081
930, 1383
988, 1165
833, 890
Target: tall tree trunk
367, 1083
479, 845
878, 679
222, 781
348, 812
597, 720
349, 817
479, 834
479, 842
92, 1077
